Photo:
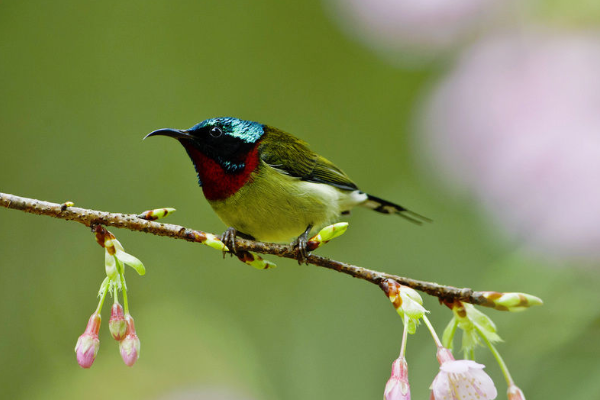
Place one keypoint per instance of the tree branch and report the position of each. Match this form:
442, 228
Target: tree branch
89, 218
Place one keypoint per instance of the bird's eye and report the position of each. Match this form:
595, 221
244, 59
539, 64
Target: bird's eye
215, 132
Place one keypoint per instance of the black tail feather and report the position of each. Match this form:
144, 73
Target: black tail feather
386, 207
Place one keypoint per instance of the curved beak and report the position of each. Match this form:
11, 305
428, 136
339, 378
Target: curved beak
174, 133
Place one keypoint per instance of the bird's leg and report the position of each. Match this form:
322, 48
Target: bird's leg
300, 244
230, 235
228, 238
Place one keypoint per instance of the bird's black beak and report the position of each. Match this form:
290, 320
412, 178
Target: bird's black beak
174, 133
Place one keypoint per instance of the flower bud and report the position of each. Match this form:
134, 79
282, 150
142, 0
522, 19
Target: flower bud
88, 343
514, 393
397, 387
117, 324
444, 355
130, 346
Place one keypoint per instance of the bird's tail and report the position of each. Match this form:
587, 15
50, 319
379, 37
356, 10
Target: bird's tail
385, 207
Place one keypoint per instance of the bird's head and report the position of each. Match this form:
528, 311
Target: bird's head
225, 140
222, 139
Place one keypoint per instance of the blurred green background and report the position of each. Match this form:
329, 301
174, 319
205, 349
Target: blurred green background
81, 84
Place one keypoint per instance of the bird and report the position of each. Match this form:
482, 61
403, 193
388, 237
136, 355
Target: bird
268, 185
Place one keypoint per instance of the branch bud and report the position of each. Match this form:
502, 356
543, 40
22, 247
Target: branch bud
158, 213
474, 323
255, 260
406, 301
214, 242
326, 234
510, 301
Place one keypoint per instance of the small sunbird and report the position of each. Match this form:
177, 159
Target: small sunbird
267, 185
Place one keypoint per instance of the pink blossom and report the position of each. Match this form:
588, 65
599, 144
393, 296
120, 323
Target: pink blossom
420, 26
130, 346
88, 343
461, 379
397, 387
516, 125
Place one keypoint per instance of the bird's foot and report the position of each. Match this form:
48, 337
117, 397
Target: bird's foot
228, 238
300, 244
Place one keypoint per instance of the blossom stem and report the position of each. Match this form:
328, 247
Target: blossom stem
470, 354
124, 290
497, 356
102, 297
436, 339
448, 338
115, 294
123, 286
404, 337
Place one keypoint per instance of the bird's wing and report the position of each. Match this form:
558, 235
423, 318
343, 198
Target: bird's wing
291, 156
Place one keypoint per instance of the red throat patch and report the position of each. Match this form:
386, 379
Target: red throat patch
218, 184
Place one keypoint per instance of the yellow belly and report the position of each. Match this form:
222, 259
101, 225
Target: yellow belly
275, 207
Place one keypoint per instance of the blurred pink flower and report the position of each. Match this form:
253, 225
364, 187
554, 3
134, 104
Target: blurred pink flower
421, 26
461, 380
517, 123
88, 343
397, 387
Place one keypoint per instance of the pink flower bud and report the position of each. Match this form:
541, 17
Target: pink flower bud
397, 387
130, 346
88, 343
117, 324
461, 379
444, 355
514, 393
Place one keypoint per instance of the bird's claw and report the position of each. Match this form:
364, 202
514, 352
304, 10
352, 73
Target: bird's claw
302, 252
228, 238
301, 247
